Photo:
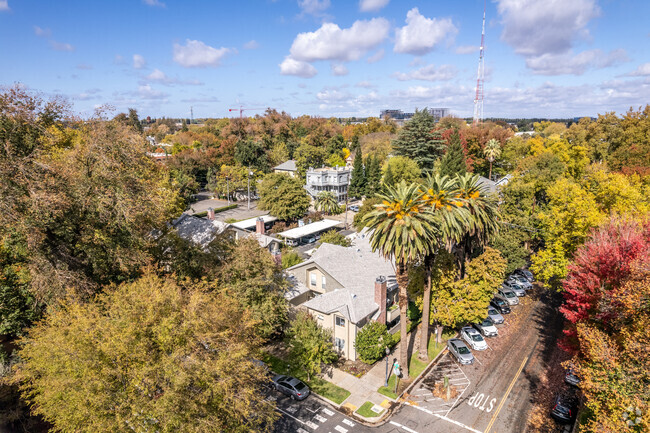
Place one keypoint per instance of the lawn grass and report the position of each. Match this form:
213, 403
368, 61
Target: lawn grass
366, 411
316, 384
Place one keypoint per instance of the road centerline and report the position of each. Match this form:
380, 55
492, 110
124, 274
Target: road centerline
505, 396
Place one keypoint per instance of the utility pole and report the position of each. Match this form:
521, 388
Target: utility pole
478, 99
228, 189
250, 173
191, 115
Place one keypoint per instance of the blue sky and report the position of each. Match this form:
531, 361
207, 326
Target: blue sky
546, 58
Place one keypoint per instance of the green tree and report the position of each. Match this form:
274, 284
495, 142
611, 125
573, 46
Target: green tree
290, 258
250, 153
146, 353
336, 238
358, 178
401, 168
307, 156
511, 243
372, 341
327, 202
283, 196
310, 345
453, 162
255, 281
134, 120
373, 176
367, 207
492, 151
402, 230
419, 141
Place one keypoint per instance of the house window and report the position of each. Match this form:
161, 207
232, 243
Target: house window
340, 321
324, 282
339, 343
312, 278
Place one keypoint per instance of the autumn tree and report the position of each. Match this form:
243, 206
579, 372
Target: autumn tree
419, 141
283, 196
146, 353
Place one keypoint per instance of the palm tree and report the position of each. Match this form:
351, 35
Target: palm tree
441, 196
402, 229
326, 202
482, 214
492, 151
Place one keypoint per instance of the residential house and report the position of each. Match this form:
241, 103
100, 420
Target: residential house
287, 167
335, 180
344, 288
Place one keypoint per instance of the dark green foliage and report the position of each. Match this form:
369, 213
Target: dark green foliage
336, 238
358, 178
510, 242
310, 345
283, 196
366, 207
373, 176
372, 341
250, 153
184, 126
388, 180
307, 156
134, 120
453, 162
418, 141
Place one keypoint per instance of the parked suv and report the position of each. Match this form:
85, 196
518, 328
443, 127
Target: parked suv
525, 273
520, 280
507, 295
500, 305
494, 315
460, 351
291, 386
565, 407
515, 287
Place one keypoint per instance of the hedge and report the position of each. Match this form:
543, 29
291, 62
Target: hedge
217, 210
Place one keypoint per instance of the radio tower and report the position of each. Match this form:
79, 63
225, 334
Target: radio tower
478, 100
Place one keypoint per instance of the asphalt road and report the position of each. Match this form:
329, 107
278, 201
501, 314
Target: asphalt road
494, 394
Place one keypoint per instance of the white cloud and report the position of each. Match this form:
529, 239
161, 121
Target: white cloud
138, 61
365, 85
251, 45
429, 73
339, 69
467, 49
44, 33
642, 71
4, 5
372, 5
159, 76
298, 68
196, 54
574, 64
61, 46
313, 7
376, 57
146, 92
420, 35
330, 42
332, 95
534, 28
154, 3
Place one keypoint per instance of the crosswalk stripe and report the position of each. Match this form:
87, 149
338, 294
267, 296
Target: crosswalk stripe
348, 422
341, 429
328, 412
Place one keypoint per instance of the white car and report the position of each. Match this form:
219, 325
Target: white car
487, 328
473, 338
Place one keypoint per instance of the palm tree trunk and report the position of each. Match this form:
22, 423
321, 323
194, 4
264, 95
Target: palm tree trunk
402, 282
426, 308
490, 175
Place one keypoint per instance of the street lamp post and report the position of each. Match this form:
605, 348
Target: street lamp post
228, 189
387, 353
250, 173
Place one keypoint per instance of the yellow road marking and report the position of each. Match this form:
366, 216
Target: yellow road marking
505, 397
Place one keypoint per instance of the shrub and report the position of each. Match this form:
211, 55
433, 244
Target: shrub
336, 238
372, 341
289, 259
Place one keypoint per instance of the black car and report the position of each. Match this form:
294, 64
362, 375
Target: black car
500, 305
291, 386
565, 408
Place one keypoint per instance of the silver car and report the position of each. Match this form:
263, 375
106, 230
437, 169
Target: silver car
473, 338
525, 273
507, 295
515, 287
487, 328
461, 352
522, 281
494, 314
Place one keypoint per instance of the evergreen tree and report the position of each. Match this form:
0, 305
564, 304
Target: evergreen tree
453, 162
389, 180
417, 140
373, 176
358, 178
134, 120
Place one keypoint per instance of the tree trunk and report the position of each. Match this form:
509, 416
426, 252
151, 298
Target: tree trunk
402, 282
490, 175
426, 308
438, 332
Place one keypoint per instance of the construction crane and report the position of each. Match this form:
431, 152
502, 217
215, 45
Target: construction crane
241, 110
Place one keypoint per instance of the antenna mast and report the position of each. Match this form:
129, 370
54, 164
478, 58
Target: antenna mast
191, 115
478, 99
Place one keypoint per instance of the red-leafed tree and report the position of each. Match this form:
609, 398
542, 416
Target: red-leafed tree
599, 269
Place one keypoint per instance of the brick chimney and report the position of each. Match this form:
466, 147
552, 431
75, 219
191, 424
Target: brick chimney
380, 298
211, 214
259, 225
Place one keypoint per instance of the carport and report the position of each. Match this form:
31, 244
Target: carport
307, 230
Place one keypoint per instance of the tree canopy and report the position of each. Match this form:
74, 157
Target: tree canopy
283, 196
419, 141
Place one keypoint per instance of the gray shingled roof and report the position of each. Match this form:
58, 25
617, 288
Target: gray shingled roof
356, 269
289, 165
487, 184
197, 230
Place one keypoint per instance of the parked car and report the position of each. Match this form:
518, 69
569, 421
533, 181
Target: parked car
494, 314
525, 273
487, 328
473, 338
515, 287
507, 295
460, 350
500, 305
521, 280
291, 242
354, 208
571, 377
565, 407
309, 239
291, 386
